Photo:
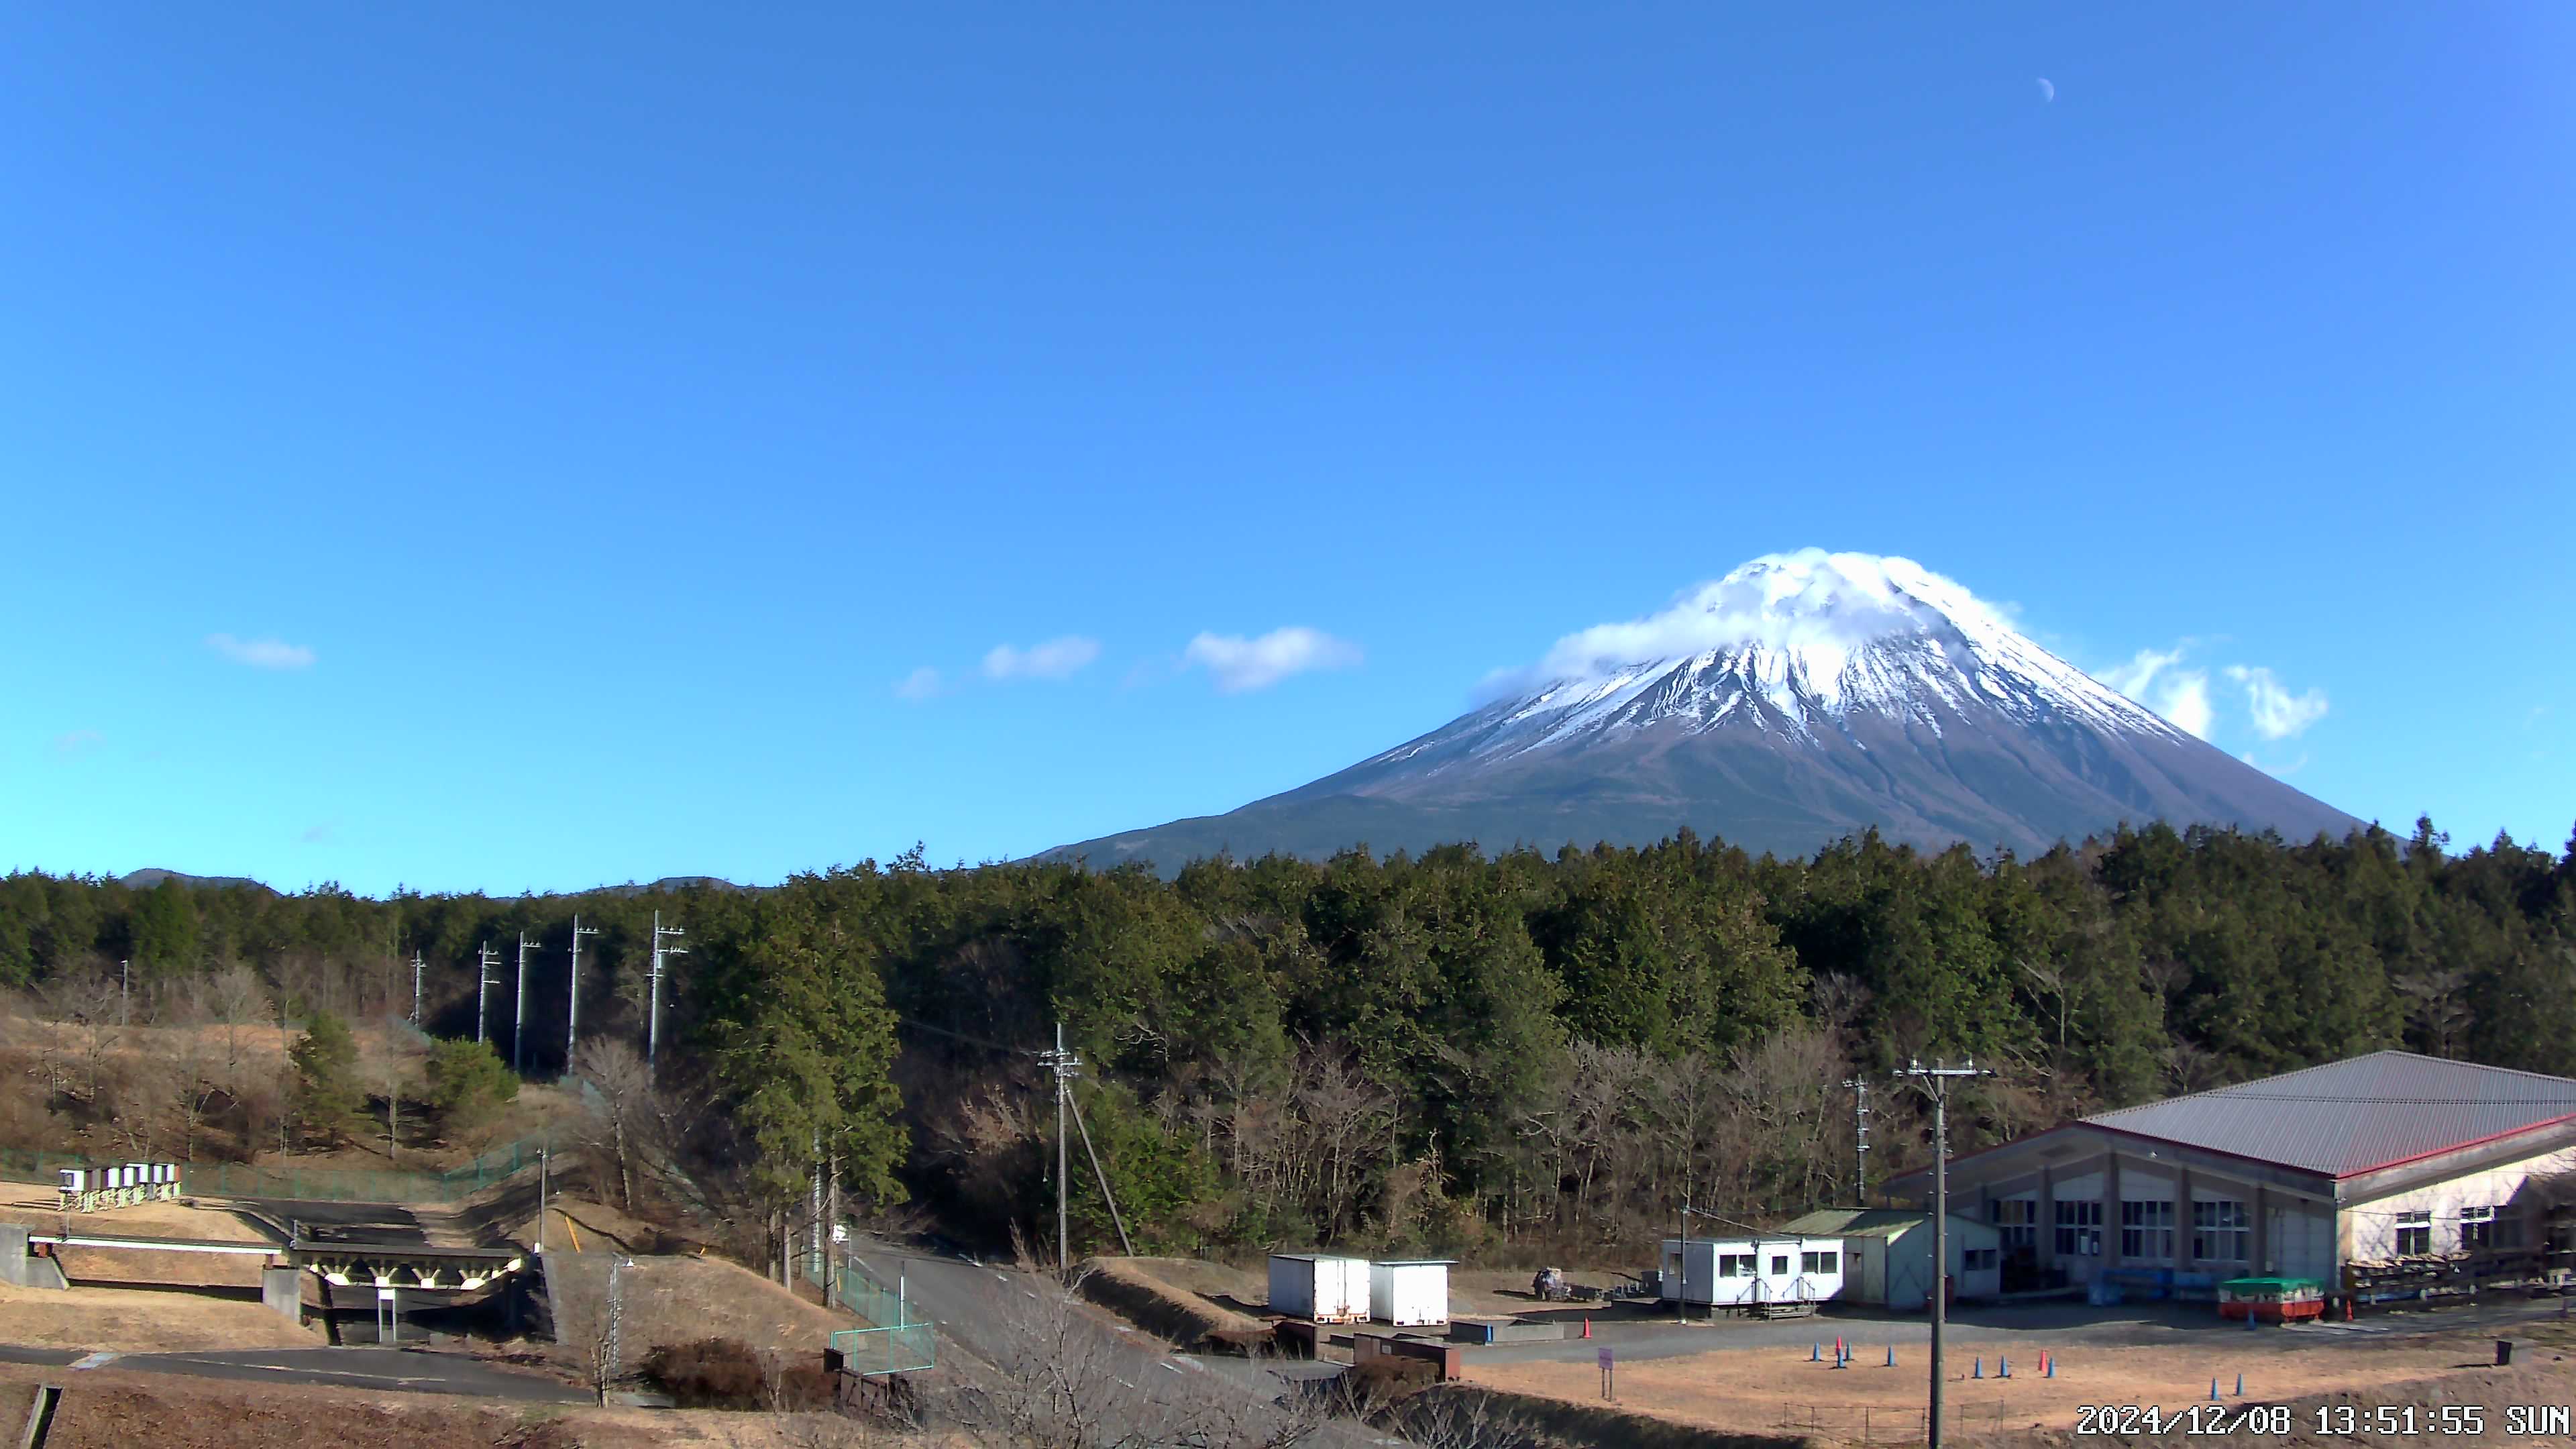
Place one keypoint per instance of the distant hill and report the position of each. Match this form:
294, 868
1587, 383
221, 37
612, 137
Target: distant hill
1801, 699
144, 880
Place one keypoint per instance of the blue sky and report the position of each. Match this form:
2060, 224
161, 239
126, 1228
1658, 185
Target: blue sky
530, 446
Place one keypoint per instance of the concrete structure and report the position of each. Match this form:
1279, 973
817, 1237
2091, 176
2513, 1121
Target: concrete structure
1752, 1272
281, 1289
2390, 1156
1319, 1288
1887, 1255
1412, 1293
1447, 1360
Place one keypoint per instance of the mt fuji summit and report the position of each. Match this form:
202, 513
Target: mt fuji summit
1802, 698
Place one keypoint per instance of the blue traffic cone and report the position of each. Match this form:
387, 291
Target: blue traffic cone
2213, 1390
1980, 1371
2003, 1367
1816, 1354
2240, 1386
1891, 1355
2048, 1365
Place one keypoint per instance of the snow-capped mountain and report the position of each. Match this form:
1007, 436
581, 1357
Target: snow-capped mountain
1799, 699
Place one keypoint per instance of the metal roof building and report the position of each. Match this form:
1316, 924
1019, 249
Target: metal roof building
2379, 1158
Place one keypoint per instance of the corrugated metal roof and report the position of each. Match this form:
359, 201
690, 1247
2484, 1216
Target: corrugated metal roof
1862, 1222
2356, 1115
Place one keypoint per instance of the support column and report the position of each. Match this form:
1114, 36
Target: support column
2260, 1249
281, 1290
2111, 1210
2182, 1217
14, 1262
2045, 1217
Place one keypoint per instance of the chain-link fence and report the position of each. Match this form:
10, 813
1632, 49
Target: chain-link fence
312, 1184
1898, 1428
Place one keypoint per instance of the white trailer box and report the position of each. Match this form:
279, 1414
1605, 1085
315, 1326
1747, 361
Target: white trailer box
1412, 1293
1318, 1288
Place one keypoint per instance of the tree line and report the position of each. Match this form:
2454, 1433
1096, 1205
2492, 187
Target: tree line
1452, 1050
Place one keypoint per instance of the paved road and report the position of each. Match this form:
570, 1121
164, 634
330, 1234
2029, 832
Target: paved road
345, 1222
394, 1369
974, 1304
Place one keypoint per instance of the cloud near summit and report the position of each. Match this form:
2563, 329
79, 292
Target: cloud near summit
1238, 664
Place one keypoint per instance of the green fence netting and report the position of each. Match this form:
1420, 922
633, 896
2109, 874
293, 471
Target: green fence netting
896, 1340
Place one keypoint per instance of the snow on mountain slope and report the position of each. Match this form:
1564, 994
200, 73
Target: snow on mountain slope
1798, 699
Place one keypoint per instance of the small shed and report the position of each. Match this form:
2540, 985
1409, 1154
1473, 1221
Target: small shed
1752, 1272
1890, 1255
1410, 1292
1319, 1288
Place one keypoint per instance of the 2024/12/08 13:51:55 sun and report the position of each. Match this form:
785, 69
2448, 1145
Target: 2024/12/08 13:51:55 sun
2551, 1421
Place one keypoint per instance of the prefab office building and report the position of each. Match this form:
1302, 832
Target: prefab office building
1751, 1272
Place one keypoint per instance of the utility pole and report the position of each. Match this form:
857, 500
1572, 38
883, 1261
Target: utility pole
484, 955
519, 1014
125, 992
653, 1032
1935, 1081
1860, 1139
1066, 1066
572, 1013
417, 966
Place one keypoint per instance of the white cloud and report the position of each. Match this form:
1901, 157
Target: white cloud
2185, 701
920, 684
261, 653
2153, 678
2278, 714
1054, 659
1239, 664
74, 741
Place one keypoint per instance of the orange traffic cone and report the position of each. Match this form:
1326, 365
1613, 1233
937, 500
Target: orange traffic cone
1587, 1328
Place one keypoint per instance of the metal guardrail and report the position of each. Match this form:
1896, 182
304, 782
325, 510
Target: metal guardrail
312, 1184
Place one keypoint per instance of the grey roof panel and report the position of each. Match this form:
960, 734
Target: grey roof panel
2352, 1116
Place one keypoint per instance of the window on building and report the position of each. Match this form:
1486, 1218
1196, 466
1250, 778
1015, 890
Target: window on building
2220, 1231
1978, 1260
1736, 1265
2147, 1230
2018, 1220
1779, 1265
1820, 1262
2079, 1229
2414, 1233
2477, 1228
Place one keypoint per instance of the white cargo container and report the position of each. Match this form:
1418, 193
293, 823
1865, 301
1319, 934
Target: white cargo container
1318, 1288
1410, 1293
71, 1179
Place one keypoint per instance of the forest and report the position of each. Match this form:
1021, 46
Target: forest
1520, 1053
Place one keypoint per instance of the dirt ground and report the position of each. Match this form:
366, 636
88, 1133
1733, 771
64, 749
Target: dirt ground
199, 1221
681, 1299
1752, 1390
131, 1322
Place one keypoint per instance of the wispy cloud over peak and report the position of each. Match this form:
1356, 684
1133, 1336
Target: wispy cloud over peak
1054, 659
271, 653
2278, 714
2155, 679
1238, 664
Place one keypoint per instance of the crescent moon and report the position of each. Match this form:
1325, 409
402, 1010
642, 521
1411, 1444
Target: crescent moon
2047, 91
